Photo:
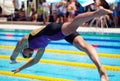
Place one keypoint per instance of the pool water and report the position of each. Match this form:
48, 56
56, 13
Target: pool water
107, 44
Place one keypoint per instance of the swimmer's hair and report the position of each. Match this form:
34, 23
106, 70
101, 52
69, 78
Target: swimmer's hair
30, 54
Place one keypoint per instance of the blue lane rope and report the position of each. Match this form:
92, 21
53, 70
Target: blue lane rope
99, 46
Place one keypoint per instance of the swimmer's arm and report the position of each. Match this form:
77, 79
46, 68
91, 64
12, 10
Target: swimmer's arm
16, 52
32, 61
20, 45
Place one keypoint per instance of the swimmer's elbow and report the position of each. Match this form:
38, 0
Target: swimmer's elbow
35, 61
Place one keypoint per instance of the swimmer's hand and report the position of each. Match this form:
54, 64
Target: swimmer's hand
13, 62
16, 71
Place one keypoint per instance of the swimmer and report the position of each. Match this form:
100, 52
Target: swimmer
40, 38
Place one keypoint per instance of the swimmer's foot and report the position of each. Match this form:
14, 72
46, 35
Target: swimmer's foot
102, 11
103, 75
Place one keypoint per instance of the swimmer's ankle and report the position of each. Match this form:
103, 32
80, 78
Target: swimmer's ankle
101, 70
103, 75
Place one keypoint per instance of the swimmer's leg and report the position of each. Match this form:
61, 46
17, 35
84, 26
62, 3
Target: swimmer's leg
70, 27
90, 50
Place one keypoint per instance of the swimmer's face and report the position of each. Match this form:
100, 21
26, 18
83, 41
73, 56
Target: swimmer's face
27, 53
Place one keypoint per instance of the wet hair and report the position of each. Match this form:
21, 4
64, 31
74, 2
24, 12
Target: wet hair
30, 54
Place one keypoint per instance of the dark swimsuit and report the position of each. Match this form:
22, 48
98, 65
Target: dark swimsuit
50, 32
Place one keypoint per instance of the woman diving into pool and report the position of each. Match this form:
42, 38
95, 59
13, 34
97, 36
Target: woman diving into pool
40, 38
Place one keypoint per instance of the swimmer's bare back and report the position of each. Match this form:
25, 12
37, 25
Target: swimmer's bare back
35, 31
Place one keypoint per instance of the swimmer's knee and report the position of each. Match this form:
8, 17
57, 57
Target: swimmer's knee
81, 44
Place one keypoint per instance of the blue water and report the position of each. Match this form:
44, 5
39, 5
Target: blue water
61, 71
105, 45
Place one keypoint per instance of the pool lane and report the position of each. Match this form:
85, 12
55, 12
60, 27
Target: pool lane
69, 57
100, 42
112, 47
60, 71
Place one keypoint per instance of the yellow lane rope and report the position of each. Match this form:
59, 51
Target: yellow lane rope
31, 76
78, 64
69, 52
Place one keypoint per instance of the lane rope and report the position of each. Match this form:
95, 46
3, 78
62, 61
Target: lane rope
77, 64
31, 76
69, 52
